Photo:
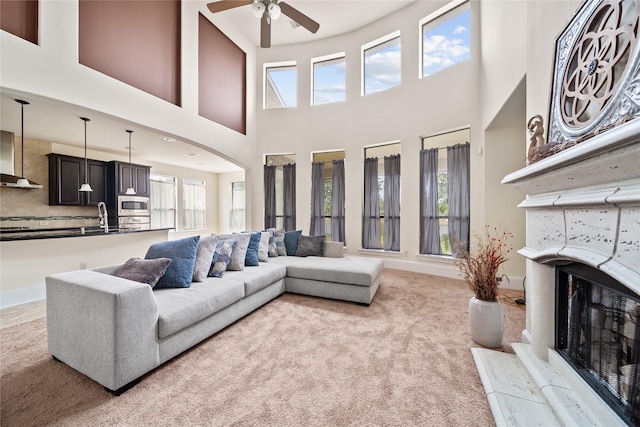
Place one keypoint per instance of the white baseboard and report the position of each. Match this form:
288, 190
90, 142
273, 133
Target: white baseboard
22, 296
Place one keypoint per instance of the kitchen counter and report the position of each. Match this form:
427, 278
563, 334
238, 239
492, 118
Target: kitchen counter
7, 235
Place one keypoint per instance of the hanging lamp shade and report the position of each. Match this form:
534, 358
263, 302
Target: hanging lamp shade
130, 190
85, 187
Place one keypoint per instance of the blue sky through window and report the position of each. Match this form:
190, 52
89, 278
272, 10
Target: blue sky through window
285, 80
446, 44
329, 81
382, 66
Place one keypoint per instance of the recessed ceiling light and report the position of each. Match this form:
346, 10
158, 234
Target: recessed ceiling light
168, 139
201, 163
193, 155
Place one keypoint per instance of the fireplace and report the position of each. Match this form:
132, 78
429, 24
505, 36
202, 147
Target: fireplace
583, 234
597, 334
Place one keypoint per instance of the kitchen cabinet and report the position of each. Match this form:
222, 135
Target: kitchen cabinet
66, 175
122, 172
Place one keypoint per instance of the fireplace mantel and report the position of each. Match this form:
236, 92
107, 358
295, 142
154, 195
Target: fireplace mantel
583, 204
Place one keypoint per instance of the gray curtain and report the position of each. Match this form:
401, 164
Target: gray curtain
317, 199
429, 221
458, 192
269, 196
392, 203
289, 190
371, 213
337, 202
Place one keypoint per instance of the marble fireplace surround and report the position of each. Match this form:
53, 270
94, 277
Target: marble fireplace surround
582, 205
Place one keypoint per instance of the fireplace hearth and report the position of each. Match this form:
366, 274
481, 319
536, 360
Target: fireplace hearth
597, 334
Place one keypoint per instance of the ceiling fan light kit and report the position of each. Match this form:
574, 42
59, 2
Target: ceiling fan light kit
267, 10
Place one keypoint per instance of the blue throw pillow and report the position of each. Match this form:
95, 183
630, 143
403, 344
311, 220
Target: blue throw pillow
251, 259
222, 257
182, 253
291, 241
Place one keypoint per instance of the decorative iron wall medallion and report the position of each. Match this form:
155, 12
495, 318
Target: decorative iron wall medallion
596, 78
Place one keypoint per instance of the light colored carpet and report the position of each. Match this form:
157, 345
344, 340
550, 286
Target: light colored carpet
297, 361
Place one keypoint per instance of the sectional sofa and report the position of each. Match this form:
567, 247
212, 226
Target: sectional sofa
115, 330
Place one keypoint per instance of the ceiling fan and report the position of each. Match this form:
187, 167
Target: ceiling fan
267, 10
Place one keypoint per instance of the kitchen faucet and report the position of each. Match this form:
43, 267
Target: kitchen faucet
102, 215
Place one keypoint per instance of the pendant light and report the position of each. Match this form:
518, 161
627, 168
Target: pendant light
22, 181
130, 190
85, 187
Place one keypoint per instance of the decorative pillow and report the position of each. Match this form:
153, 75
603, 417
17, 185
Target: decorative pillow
251, 259
240, 252
273, 250
182, 253
279, 241
291, 241
147, 271
204, 254
263, 246
221, 257
310, 246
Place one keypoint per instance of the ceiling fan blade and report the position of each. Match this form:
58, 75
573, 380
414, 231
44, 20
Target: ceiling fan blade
265, 31
299, 17
221, 5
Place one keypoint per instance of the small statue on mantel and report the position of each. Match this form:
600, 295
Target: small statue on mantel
535, 127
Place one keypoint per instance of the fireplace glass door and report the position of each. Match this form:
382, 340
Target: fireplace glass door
597, 333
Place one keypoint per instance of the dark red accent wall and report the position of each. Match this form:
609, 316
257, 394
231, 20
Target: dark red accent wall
136, 42
20, 18
222, 85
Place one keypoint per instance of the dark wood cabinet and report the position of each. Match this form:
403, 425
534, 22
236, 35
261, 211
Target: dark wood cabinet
122, 173
66, 175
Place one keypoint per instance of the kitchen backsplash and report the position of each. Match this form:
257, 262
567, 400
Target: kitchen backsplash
30, 208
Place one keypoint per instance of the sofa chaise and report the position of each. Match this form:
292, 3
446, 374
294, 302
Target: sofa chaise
115, 330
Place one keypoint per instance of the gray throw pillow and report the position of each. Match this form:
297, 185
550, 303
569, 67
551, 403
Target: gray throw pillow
278, 238
147, 271
240, 252
310, 246
204, 255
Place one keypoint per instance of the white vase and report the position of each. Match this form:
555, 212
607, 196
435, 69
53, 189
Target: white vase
486, 321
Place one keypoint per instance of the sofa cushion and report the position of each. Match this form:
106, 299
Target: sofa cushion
310, 246
333, 249
291, 241
352, 270
147, 271
204, 255
183, 258
221, 257
180, 308
258, 278
240, 252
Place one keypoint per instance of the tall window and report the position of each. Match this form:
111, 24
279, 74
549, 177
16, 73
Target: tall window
446, 38
237, 206
163, 201
444, 192
280, 85
279, 191
328, 195
381, 216
381, 64
193, 204
329, 79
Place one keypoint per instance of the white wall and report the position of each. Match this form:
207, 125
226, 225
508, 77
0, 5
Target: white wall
444, 101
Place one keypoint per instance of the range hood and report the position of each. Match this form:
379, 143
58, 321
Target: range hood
7, 162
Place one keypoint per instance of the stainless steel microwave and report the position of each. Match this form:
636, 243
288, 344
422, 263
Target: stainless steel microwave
133, 206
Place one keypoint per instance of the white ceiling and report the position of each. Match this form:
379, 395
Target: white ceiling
334, 16
53, 121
